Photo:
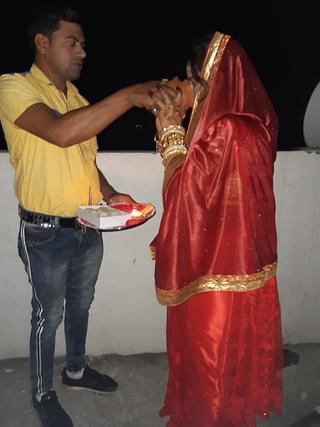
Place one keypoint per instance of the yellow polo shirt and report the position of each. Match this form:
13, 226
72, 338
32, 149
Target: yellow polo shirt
48, 179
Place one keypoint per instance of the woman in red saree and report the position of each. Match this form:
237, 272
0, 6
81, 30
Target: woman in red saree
215, 251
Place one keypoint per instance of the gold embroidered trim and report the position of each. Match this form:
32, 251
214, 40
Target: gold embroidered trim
209, 69
218, 283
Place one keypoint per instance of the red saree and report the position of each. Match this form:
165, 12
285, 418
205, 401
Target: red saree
216, 254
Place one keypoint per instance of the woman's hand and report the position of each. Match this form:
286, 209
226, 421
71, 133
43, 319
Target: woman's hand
168, 110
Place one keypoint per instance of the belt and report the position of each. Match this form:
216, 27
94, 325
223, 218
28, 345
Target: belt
49, 221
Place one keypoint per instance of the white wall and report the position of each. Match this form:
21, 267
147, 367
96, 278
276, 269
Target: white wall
125, 317
297, 187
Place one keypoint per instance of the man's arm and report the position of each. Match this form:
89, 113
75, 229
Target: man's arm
110, 195
106, 189
84, 123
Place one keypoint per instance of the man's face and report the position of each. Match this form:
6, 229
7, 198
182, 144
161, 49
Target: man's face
65, 50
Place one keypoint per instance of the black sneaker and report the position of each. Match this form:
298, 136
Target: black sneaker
50, 411
91, 380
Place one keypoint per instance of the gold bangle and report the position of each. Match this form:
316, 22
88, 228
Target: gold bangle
172, 151
171, 129
171, 140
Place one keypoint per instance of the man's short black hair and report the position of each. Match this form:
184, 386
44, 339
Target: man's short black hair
45, 20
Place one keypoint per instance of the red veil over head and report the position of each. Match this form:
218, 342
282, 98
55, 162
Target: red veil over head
217, 231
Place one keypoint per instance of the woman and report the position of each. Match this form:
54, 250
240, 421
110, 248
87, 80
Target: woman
216, 247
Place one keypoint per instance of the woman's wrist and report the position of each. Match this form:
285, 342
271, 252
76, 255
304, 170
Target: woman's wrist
171, 129
171, 141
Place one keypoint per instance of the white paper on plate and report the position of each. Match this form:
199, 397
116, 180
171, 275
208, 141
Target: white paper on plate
103, 216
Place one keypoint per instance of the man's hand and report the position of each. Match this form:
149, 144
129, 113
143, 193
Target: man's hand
141, 94
121, 198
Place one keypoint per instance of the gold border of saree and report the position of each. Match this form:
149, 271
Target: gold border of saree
220, 283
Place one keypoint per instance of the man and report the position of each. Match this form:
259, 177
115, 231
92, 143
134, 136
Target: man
51, 135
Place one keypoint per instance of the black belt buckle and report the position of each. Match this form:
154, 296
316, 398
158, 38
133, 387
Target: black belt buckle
34, 218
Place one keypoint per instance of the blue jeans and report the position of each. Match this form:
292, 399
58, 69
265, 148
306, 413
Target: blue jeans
62, 266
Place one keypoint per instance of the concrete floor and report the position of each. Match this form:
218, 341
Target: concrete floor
142, 380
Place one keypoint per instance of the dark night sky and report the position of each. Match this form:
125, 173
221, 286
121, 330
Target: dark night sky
125, 47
